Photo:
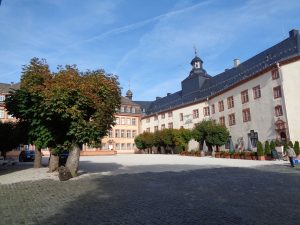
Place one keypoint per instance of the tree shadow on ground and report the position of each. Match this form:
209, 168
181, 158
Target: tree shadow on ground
6, 169
264, 195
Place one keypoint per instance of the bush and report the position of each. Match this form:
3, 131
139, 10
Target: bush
267, 148
296, 148
260, 150
291, 144
272, 145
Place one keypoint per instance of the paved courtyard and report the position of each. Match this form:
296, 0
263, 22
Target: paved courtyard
153, 189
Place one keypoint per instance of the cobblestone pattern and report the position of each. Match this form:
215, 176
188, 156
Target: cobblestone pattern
215, 196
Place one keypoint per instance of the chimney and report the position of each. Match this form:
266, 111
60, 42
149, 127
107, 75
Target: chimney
158, 98
236, 63
293, 33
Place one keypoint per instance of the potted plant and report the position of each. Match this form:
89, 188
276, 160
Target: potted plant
218, 154
242, 155
248, 155
254, 156
260, 151
267, 151
236, 155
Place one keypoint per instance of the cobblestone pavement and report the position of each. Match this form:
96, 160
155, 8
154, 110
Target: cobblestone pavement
267, 194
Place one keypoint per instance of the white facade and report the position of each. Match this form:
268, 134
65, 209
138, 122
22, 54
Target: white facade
271, 108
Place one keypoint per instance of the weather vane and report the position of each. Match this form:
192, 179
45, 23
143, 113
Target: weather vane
195, 49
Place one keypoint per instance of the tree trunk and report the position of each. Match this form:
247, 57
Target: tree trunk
53, 163
73, 160
37, 158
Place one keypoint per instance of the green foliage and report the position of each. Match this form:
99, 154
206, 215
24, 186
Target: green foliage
272, 145
290, 144
267, 148
139, 142
182, 138
212, 133
260, 150
172, 138
65, 108
11, 136
296, 148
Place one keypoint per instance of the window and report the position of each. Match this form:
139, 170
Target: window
244, 96
277, 92
155, 118
133, 110
128, 109
195, 113
230, 102
275, 74
117, 133
148, 129
170, 125
231, 118
128, 133
122, 121
122, 133
117, 146
213, 109
128, 121
181, 116
163, 126
128, 146
122, 109
256, 92
117, 120
163, 116
170, 114
123, 146
222, 120
148, 120
278, 110
221, 106
155, 128
110, 133
133, 122
206, 111
2, 98
181, 127
133, 133
246, 115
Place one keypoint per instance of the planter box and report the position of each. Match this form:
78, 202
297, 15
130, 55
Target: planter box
261, 157
217, 155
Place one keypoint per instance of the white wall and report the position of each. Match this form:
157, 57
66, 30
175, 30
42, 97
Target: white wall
291, 91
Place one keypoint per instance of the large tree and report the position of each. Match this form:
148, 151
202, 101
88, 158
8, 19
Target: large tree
65, 109
213, 133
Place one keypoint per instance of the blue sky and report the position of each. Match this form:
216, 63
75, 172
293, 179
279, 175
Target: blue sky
148, 43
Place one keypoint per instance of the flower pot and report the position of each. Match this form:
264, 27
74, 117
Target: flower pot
261, 157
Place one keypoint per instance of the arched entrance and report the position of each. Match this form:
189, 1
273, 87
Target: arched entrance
283, 136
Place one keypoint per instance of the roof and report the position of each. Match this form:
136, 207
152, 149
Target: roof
5, 88
127, 101
143, 104
286, 49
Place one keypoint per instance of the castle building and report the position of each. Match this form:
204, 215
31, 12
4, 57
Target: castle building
4, 91
128, 125
256, 99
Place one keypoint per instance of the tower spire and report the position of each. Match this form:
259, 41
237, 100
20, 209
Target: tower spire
195, 49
